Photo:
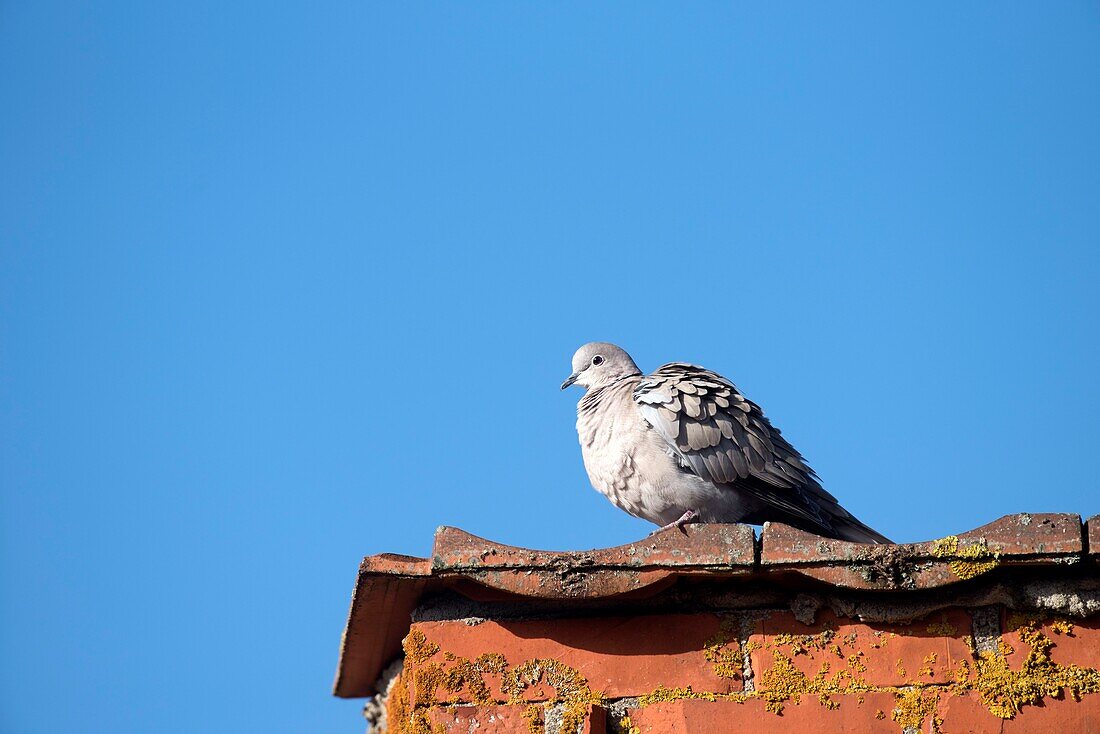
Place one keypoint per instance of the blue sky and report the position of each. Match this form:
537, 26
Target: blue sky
282, 286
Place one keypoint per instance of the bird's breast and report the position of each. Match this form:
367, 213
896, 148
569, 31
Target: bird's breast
609, 445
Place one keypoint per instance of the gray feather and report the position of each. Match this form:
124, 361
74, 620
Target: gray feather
725, 438
685, 438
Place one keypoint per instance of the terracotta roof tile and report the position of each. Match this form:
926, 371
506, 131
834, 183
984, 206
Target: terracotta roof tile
1011, 541
596, 573
390, 587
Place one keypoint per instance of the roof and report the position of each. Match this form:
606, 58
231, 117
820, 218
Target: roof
390, 587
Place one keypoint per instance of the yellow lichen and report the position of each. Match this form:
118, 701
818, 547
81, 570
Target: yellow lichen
943, 628
402, 718
966, 562
1004, 691
456, 675
1062, 627
962, 674
661, 694
417, 647
397, 706
570, 687
783, 682
1058, 625
803, 644
465, 680
724, 652
928, 668
491, 662
796, 643
466, 675
533, 717
914, 706
1015, 620
427, 680
627, 726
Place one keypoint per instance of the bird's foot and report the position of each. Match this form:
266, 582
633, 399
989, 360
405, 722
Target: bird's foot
688, 517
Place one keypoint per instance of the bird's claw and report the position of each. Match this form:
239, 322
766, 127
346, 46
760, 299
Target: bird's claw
688, 517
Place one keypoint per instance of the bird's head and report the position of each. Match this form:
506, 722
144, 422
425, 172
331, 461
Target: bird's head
598, 363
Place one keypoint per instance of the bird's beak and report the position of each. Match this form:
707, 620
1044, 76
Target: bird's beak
570, 380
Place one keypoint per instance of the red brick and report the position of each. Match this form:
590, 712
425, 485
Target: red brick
619, 656
389, 587
961, 715
966, 715
1081, 646
728, 717
892, 654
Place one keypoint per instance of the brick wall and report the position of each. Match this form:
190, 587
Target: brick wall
714, 630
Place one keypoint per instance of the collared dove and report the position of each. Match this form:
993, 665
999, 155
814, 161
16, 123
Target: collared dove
684, 445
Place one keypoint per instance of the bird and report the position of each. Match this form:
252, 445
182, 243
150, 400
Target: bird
684, 445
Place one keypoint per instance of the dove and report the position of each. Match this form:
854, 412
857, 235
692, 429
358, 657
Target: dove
683, 445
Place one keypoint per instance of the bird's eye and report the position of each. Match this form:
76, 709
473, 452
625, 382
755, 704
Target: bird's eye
597, 360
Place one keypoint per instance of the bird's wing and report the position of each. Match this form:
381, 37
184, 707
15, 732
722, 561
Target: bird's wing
722, 436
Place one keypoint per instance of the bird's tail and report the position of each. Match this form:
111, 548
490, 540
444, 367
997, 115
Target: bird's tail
849, 528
